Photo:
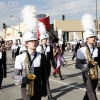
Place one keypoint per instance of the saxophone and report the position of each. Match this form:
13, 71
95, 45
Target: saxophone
93, 72
29, 87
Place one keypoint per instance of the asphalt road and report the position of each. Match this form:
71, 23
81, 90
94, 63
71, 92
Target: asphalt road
71, 88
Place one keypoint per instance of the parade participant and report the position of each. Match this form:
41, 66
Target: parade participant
73, 49
78, 45
61, 42
57, 53
75, 45
21, 43
15, 49
88, 58
45, 49
22, 50
82, 43
31, 62
3, 68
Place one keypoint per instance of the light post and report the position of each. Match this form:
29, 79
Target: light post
96, 18
19, 20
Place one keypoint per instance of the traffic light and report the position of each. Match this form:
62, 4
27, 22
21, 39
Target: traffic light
63, 17
4, 25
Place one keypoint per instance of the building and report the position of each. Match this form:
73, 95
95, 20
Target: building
70, 26
67, 26
13, 32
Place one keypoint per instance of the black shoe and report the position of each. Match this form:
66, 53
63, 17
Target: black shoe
50, 98
72, 59
55, 75
61, 78
99, 88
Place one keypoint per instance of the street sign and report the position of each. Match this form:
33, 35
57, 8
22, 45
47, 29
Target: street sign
20, 33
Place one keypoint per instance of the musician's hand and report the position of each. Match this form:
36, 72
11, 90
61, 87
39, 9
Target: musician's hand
26, 80
90, 65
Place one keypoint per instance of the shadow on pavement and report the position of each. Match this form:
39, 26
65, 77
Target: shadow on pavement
10, 72
8, 86
70, 64
72, 75
64, 89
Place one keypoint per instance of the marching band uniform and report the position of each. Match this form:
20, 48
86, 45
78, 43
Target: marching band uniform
39, 71
22, 49
61, 42
84, 66
82, 43
81, 64
47, 51
74, 44
31, 62
3, 67
15, 49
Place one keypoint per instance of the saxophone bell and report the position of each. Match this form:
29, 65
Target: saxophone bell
30, 87
94, 71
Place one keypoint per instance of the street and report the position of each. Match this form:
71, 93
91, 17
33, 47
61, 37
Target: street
71, 88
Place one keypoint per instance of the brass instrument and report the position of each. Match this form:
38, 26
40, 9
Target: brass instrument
93, 72
29, 87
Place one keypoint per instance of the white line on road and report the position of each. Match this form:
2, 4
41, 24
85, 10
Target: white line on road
70, 85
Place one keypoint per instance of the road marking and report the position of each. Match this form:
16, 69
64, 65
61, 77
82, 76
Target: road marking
70, 85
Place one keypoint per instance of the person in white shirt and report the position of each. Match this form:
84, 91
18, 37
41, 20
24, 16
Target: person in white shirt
31, 62
15, 49
86, 55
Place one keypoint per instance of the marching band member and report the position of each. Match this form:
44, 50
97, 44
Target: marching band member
15, 49
88, 58
22, 50
3, 68
32, 63
45, 49
75, 45
61, 42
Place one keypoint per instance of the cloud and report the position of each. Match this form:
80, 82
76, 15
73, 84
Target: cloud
72, 9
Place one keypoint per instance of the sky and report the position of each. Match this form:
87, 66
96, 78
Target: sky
72, 9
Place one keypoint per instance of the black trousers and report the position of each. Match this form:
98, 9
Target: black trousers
1, 76
48, 87
74, 55
90, 87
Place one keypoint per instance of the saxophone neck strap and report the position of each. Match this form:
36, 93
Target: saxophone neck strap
91, 53
44, 50
29, 57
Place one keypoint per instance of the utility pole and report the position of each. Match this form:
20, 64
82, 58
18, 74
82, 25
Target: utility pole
96, 18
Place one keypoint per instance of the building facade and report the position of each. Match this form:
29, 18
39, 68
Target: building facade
70, 26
